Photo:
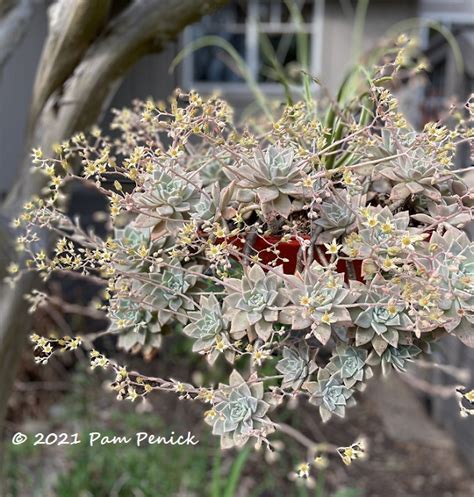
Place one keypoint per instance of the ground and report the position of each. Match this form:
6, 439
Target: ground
408, 455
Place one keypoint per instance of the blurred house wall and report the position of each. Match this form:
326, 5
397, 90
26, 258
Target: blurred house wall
448, 10
338, 25
16, 83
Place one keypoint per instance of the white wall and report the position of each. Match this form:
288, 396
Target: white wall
16, 83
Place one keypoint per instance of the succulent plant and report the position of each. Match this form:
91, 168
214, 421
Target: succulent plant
240, 412
253, 303
414, 177
214, 204
350, 363
168, 291
443, 213
295, 366
135, 324
209, 224
212, 171
331, 395
274, 175
381, 233
451, 261
207, 324
166, 198
395, 357
337, 216
132, 245
318, 301
383, 317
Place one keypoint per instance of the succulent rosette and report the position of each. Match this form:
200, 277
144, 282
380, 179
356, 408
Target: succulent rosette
253, 303
169, 291
136, 326
350, 363
207, 325
275, 176
396, 358
382, 316
132, 245
330, 394
167, 198
296, 366
239, 412
419, 174
337, 216
319, 297
450, 261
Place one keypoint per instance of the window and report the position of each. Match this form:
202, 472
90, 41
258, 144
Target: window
255, 28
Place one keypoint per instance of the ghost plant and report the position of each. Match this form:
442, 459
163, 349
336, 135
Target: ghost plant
305, 260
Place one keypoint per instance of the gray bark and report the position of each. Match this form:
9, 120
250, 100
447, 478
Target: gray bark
69, 97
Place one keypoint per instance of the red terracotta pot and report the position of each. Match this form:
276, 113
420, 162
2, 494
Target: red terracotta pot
289, 250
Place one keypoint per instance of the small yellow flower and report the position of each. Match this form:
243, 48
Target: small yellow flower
469, 396
424, 301
365, 211
305, 300
308, 182
132, 394
328, 318
220, 345
56, 181
13, 268
259, 356
302, 470
387, 227
388, 264
372, 221
392, 308
407, 241
356, 451
214, 250
143, 251
348, 178
333, 247
321, 462
179, 387
37, 154
220, 233
212, 413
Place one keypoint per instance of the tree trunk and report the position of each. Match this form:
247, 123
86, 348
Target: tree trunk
69, 98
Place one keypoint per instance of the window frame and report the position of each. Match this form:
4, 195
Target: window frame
252, 29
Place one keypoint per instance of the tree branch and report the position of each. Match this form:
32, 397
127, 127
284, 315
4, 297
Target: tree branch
73, 25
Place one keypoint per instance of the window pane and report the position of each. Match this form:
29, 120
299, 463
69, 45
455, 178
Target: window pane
234, 13
276, 11
212, 64
284, 48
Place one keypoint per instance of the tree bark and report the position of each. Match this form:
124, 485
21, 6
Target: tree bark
69, 97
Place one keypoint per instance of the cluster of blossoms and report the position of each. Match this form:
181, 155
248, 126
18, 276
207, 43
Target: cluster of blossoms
319, 256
